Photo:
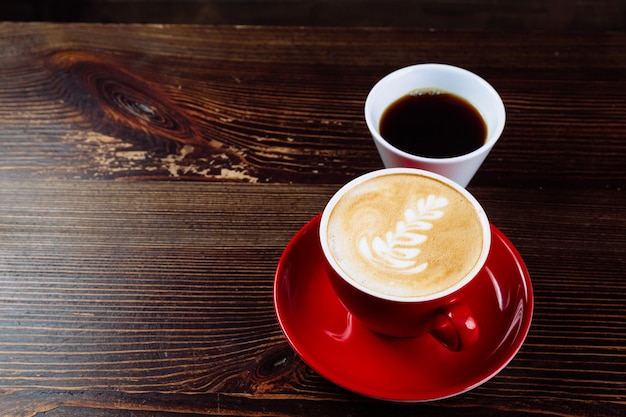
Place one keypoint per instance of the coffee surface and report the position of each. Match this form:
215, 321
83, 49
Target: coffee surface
405, 235
434, 124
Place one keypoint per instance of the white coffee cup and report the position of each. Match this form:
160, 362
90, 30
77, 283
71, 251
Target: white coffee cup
451, 79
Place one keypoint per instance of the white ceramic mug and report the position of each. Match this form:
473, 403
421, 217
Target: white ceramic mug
455, 80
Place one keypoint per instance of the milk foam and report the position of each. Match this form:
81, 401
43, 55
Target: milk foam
399, 249
405, 235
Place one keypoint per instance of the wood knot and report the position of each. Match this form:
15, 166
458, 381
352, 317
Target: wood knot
118, 103
275, 362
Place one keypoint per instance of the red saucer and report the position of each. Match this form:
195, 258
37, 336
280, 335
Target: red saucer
343, 351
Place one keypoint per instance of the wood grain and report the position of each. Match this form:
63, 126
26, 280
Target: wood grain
151, 176
112, 292
145, 102
143, 288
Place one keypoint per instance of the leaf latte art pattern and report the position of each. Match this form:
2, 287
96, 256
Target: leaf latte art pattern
398, 249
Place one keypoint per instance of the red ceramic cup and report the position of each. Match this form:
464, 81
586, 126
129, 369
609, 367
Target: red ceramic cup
440, 312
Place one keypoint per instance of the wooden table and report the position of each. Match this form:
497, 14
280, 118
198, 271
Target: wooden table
151, 176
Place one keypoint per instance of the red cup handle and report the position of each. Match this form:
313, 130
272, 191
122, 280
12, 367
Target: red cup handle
454, 327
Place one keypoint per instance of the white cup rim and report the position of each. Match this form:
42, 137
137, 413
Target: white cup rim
486, 228
492, 134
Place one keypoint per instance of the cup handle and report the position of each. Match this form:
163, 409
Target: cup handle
454, 327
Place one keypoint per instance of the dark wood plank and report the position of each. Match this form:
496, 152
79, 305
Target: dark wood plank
142, 288
151, 175
155, 299
518, 15
145, 102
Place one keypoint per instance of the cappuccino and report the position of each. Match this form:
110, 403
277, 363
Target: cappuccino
404, 234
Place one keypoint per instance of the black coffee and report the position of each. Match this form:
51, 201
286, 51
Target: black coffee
433, 124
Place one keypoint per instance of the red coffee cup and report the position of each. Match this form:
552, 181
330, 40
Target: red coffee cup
402, 246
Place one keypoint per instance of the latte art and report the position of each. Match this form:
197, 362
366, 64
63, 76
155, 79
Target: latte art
399, 250
404, 234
